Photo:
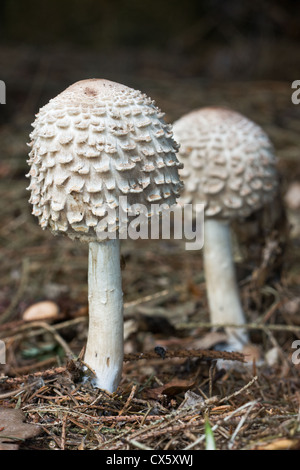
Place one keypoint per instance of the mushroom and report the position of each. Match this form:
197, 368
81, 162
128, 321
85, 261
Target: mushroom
97, 149
229, 167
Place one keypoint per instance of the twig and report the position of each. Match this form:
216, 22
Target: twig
148, 298
22, 325
170, 428
216, 426
41, 373
43, 326
229, 397
240, 424
129, 399
20, 371
185, 353
249, 326
138, 445
63, 432
164, 421
18, 391
238, 392
56, 336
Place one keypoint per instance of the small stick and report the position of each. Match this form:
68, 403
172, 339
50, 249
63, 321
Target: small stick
40, 373
138, 445
249, 326
185, 353
128, 401
16, 392
41, 326
216, 426
56, 336
63, 432
229, 397
240, 424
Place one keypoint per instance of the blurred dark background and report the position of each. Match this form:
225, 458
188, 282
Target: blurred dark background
208, 37
46, 46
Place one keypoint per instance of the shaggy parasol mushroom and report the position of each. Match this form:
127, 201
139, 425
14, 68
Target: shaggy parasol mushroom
229, 166
95, 142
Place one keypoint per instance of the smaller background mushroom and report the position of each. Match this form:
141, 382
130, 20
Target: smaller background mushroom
292, 200
230, 167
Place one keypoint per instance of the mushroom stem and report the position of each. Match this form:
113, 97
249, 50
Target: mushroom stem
221, 285
104, 350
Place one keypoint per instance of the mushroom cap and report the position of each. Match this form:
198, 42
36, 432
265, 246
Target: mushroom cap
229, 162
95, 142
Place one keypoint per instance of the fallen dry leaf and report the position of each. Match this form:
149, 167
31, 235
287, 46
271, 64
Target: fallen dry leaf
280, 444
169, 389
13, 430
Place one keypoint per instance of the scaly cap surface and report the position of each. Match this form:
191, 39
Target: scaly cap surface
96, 141
229, 162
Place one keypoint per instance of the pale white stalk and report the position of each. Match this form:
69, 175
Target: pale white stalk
222, 290
105, 344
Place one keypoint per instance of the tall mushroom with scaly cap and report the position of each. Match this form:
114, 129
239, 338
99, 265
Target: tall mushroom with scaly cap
229, 166
99, 148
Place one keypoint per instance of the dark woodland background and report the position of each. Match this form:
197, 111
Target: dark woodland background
49, 45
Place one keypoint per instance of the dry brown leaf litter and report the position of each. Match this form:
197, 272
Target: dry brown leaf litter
13, 430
